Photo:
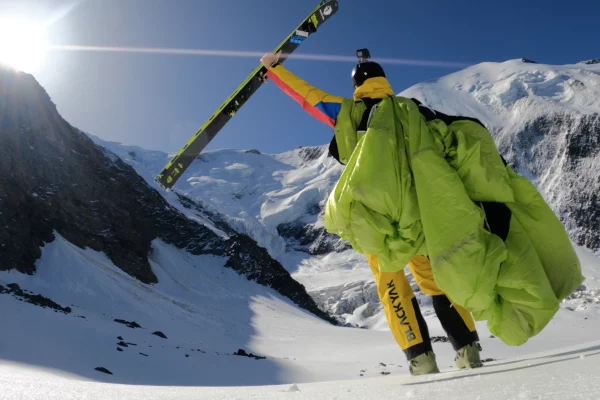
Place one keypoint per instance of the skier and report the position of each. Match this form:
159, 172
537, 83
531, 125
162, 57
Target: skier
400, 304
431, 191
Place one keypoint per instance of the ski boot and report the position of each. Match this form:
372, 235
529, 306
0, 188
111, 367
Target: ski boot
423, 364
468, 356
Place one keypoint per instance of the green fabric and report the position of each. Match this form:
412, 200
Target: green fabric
345, 128
407, 179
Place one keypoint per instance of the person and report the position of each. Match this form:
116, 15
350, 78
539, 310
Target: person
400, 304
431, 191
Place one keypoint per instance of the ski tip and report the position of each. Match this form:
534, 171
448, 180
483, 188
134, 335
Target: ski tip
158, 181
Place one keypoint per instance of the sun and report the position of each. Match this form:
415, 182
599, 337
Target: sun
22, 43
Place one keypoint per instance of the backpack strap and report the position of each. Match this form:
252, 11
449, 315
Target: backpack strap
362, 126
430, 114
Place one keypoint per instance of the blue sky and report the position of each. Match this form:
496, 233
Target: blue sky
159, 101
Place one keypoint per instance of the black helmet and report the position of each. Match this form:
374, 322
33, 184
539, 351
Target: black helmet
365, 69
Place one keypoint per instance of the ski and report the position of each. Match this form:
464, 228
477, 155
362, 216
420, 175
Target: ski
188, 153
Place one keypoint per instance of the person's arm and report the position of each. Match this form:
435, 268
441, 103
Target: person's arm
321, 105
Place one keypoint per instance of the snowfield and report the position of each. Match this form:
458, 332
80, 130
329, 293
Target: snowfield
571, 374
207, 313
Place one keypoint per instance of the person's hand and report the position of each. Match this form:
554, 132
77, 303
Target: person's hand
269, 59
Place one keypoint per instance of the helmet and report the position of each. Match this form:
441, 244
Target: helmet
365, 69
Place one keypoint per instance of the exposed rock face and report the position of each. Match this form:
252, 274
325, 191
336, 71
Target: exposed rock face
257, 265
314, 240
53, 178
564, 150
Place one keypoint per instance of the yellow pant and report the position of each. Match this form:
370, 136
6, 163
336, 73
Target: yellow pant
403, 313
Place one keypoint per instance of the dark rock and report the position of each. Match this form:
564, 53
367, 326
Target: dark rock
160, 334
253, 151
575, 139
526, 60
255, 263
122, 343
217, 220
382, 365
301, 236
187, 355
311, 153
145, 355
119, 349
131, 344
35, 299
385, 373
242, 352
54, 178
120, 337
591, 62
102, 369
132, 325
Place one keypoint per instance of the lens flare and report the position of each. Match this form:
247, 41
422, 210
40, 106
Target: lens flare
255, 54
22, 43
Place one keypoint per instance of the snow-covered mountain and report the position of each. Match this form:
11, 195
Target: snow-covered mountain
546, 123
545, 120
99, 268
278, 200
85, 236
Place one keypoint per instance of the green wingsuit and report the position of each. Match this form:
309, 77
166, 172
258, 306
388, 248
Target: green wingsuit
416, 186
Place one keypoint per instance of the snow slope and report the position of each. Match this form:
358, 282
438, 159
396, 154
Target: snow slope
258, 193
208, 312
570, 374
507, 95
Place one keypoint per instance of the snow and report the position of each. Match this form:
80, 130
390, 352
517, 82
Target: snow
505, 95
559, 375
208, 311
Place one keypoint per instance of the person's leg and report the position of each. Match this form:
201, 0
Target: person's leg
456, 320
404, 317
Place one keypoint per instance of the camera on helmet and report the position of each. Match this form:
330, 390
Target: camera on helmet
363, 55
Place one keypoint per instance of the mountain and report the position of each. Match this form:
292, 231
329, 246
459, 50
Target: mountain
105, 277
279, 201
545, 120
79, 223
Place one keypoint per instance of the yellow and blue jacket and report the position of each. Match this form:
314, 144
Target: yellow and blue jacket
321, 105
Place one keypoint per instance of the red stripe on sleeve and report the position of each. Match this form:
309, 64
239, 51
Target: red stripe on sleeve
312, 110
